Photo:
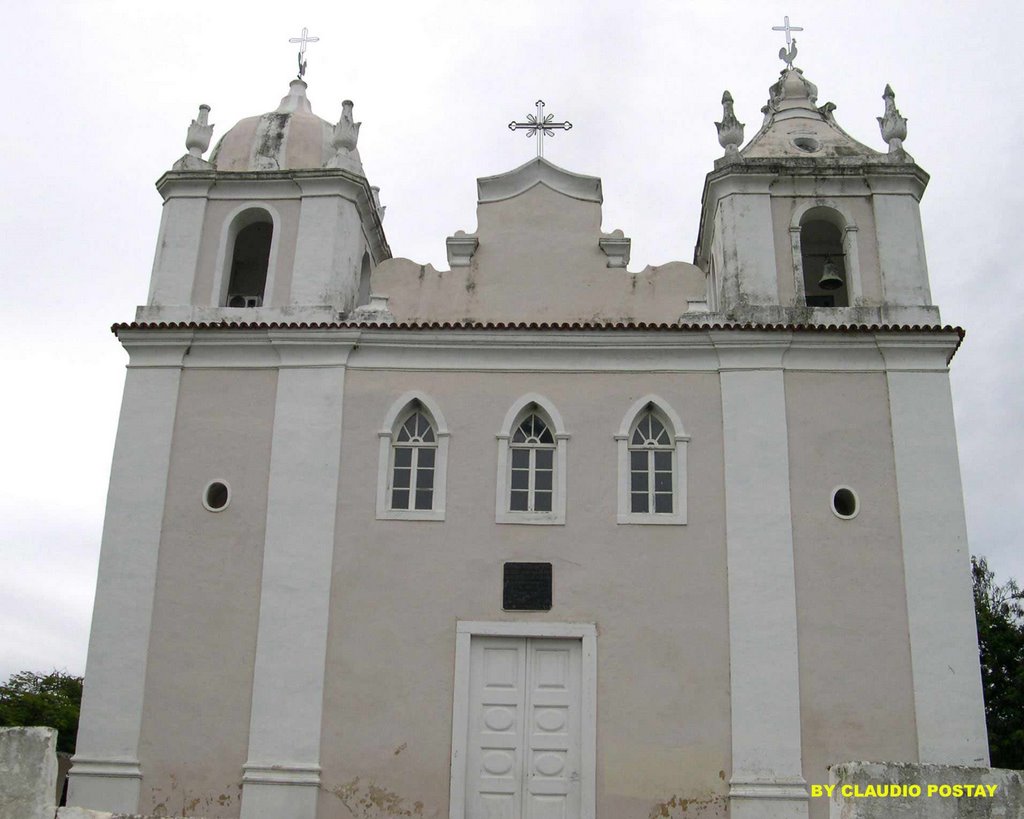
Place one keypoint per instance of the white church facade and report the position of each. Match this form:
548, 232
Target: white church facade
534, 536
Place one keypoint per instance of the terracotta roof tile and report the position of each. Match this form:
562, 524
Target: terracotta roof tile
533, 325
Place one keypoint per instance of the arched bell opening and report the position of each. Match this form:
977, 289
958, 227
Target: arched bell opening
363, 296
250, 259
824, 264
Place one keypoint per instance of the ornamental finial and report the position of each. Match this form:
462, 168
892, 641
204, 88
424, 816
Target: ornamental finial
199, 133
346, 132
892, 124
730, 129
344, 140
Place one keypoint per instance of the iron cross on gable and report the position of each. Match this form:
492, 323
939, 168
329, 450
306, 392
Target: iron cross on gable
303, 41
539, 126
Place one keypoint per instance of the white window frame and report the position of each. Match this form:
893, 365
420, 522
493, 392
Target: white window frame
464, 633
502, 499
674, 427
387, 434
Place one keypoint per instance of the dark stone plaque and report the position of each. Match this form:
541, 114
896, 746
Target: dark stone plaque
527, 587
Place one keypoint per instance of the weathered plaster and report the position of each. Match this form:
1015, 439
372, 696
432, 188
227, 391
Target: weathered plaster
28, 773
1006, 788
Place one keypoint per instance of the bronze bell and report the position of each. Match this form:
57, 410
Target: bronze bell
830, 278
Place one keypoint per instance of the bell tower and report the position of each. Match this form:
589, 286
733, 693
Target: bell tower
278, 227
804, 224
279, 223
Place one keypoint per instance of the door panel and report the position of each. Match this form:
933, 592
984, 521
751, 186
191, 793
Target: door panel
523, 757
551, 788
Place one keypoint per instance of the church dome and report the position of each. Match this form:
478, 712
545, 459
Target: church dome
288, 138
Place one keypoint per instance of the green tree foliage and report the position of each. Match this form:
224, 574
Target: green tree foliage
52, 699
1000, 611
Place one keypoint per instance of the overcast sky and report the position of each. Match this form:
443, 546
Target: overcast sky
99, 96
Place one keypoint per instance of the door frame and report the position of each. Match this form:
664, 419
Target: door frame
465, 630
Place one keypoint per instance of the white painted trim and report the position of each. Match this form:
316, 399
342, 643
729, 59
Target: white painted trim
854, 280
109, 776
465, 630
948, 704
757, 799
502, 514
558, 351
177, 251
384, 459
764, 667
679, 465
799, 288
291, 642
538, 171
281, 774
206, 492
525, 628
229, 232
832, 502
629, 419
114, 768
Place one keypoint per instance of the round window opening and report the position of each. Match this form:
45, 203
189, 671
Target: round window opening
216, 496
844, 503
807, 144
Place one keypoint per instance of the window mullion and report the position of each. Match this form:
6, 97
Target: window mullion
414, 467
651, 476
531, 479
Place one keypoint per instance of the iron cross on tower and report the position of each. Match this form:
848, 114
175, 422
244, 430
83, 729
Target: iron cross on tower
303, 41
788, 54
539, 126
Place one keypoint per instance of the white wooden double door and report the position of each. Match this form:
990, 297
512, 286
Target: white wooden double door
523, 750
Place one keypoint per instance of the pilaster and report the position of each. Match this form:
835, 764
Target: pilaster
106, 773
948, 701
767, 780
177, 248
745, 233
901, 253
330, 245
282, 774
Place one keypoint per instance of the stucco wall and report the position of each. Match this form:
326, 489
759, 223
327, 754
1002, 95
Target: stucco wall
539, 259
195, 725
656, 593
856, 688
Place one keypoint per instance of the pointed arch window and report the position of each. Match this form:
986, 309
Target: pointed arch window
414, 456
650, 467
531, 464
413, 461
652, 464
